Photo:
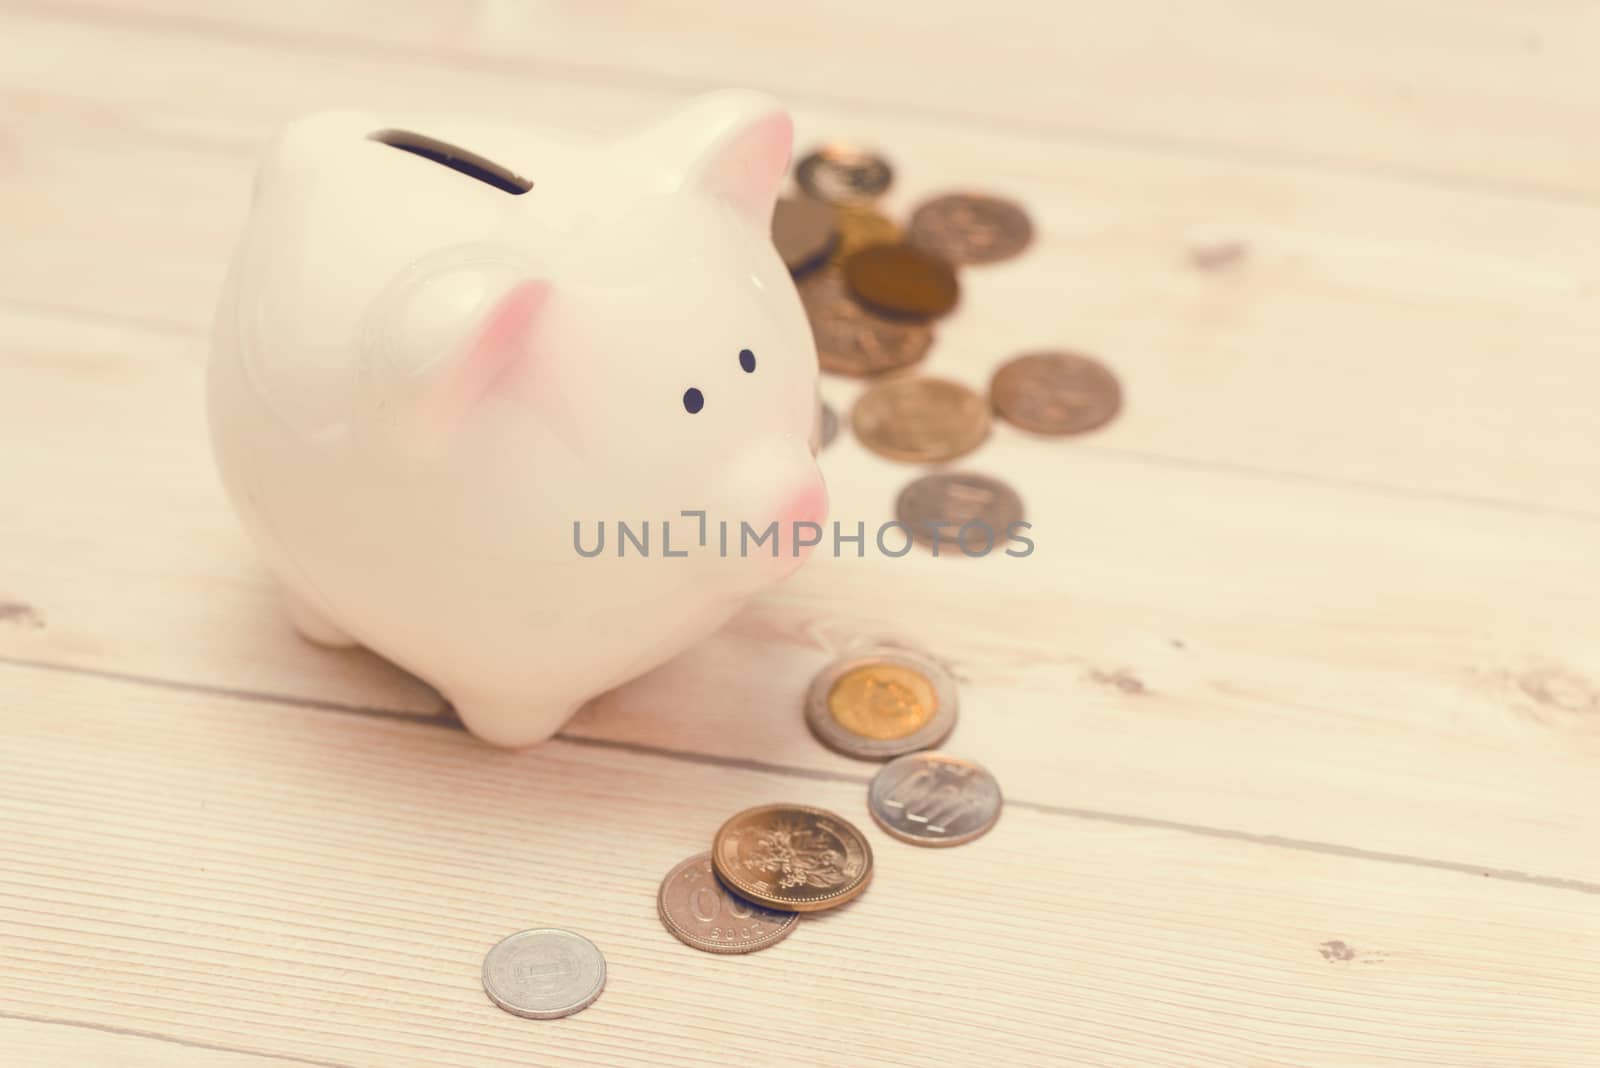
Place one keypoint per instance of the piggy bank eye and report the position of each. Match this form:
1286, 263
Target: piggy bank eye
693, 400
747, 360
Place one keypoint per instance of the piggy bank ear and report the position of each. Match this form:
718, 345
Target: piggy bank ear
733, 144
441, 341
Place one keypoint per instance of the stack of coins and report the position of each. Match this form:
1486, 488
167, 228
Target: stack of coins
766, 866
873, 289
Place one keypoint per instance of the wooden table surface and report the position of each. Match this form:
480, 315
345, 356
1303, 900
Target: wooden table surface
1296, 705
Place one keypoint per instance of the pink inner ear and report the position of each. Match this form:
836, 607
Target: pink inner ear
494, 352
749, 168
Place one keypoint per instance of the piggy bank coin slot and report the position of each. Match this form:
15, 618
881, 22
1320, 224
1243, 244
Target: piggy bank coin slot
456, 158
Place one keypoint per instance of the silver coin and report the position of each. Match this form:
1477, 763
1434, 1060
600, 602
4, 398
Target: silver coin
881, 705
830, 425
838, 173
701, 912
930, 799
544, 973
957, 513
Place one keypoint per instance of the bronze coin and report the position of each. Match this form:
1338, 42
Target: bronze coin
843, 174
967, 228
959, 512
852, 340
902, 280
920, 420
792, 857
803, 230
1055, 393
861, 226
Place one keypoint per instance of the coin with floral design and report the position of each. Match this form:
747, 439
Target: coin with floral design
792, 857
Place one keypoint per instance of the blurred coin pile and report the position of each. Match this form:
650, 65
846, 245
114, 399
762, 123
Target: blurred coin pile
873, 291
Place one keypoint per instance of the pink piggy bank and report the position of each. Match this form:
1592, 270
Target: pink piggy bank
525, 415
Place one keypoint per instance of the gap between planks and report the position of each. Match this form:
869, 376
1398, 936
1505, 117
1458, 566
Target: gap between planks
445, 720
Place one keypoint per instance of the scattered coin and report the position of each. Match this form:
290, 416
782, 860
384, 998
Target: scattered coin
970, 228
861, 226
959, 510
920, 420
1055, 393
881, 705
829, 425
843, 174
902, 280
852, 340
701, 912
803, 230
792, 857
930, 799
544, 973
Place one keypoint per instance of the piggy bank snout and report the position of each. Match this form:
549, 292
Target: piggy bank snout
782, 484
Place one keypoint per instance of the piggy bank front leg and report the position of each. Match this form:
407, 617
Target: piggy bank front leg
312, 624
510, 721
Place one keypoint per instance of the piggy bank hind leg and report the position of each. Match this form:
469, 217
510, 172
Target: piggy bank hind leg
510, 721
312, 625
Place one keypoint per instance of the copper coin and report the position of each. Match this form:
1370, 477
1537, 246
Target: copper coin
920, 420
1055, 393
881, 705
843, 174
902, 280
959, 511
971, 228
792, 857
852, 340
700, 912
803, 230
861, 226
930, 799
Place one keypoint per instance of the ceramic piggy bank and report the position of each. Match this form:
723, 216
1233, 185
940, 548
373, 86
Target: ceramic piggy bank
507, 408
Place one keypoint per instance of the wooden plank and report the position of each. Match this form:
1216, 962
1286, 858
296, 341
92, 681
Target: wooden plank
1487, 92
237, 873
28, 1043
1363, 336
1383, 673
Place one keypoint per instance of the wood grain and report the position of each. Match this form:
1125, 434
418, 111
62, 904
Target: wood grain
1439, 91
324, 887
1296, 706
1227, 616
1418, 294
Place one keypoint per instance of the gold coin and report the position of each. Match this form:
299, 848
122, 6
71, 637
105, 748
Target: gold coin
1055, 393
861, 226
792, 857
902, 280
881, 704
852, 340
970, 228
920, 420
843, 174
803, 231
